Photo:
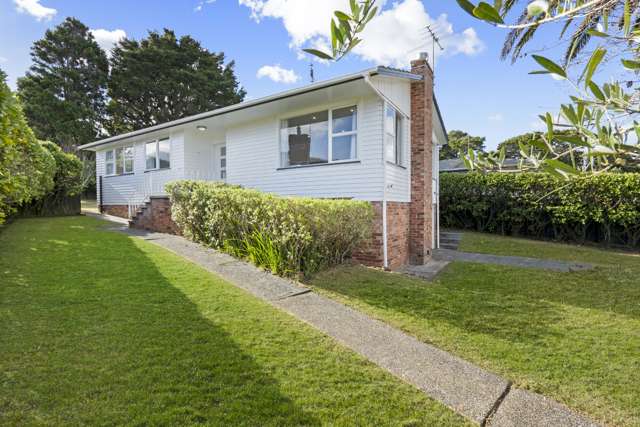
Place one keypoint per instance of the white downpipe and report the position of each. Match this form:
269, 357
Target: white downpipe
385, 252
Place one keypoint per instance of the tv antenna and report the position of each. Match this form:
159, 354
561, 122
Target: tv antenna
435, 40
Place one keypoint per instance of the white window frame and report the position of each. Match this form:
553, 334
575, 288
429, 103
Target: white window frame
157, 157
330, 134
114, 161
223, 169
398, 135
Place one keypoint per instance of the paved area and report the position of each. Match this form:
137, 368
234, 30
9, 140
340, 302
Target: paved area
513, 261
427, 271
469, 390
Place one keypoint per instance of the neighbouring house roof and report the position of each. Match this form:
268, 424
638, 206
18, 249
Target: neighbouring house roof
252, 104
457, 165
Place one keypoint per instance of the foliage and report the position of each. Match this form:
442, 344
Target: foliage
64, 90
98, 328
461, 142
599, 208
286, 235
532, 140
572, 337
601, 118
345, 29
26, 168
163, 78
64, 198
584, 19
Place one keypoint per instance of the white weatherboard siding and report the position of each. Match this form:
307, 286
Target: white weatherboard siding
253, 159
134, 189
399, 178
397, 91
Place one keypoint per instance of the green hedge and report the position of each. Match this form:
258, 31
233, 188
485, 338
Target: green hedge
599, 208
287, 235
64, 198
26, 167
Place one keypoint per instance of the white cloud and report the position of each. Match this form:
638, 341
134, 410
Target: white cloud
3, 59
498, 117
107, 39
35, 9
278, 74
394, 37
202, 4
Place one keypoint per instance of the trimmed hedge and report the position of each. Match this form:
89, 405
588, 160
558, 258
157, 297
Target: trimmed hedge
287, 235
598, 208
64, 198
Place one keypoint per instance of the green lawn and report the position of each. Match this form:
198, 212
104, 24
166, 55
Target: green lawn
571, 336
100, 328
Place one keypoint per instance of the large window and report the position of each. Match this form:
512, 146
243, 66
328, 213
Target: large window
393, 147
158, 154
321, 137
119, 161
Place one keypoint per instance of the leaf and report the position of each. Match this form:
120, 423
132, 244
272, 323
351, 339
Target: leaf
319, 54
549, 120
570, 114
342, 16
627, 17
595, 89
488, 13
631, 65
603, 149
559, 168
550, 66
539, 72
596, 33
337, 38
467, 6
592, 65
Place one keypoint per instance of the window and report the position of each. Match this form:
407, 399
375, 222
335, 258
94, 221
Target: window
393, 147
119, 161
319, 138
223, 162
157, 154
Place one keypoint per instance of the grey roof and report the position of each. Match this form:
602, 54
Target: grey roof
386, 71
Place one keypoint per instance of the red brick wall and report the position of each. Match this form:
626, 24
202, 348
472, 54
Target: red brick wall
156, 216
371, 253
421, 163
121, 211
398, 232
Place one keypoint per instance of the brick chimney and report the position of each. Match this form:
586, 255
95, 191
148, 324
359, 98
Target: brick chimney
421, 222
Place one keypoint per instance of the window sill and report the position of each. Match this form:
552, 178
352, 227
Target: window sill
156, 170
346, 162
122, 174
396, 165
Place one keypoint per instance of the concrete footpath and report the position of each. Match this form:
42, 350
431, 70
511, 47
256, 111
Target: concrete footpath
467, 389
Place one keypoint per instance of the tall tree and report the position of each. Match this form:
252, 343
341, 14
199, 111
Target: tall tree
460, 141
163, 78
64, 90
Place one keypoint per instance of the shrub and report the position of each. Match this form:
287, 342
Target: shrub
286, 235
26, 167
64, 197
599, 208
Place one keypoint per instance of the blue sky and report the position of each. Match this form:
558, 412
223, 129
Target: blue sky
476, 91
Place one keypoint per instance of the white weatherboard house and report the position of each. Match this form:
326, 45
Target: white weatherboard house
372, 135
